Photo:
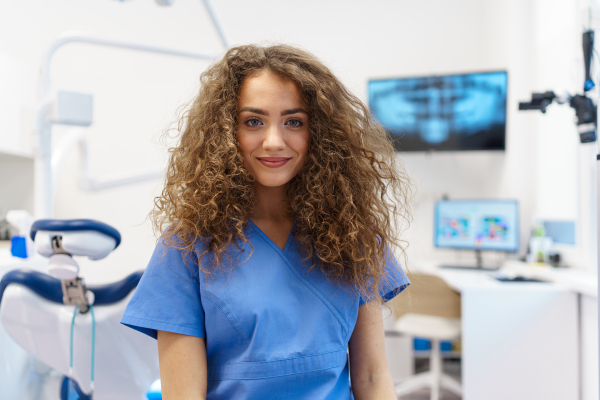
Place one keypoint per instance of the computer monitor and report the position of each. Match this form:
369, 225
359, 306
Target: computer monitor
477, 225
447, 112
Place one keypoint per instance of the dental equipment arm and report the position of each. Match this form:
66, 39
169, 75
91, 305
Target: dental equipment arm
585, 108
210, 12
77, 137
45, 180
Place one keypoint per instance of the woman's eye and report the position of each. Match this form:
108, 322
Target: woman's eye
295, 123
253, 122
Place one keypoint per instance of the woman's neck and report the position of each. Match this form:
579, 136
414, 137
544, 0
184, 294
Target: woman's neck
271, 213
271, 204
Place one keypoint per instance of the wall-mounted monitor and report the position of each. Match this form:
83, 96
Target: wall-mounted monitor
477, 225
448, 112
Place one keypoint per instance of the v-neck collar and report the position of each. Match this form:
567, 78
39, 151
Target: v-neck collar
269, 240
293, 266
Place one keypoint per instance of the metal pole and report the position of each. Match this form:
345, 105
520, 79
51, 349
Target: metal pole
83, 37
597, 168
597, 220
215, 21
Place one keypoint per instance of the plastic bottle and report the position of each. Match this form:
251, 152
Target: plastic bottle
20, 245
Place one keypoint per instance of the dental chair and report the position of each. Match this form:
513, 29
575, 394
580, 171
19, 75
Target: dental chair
37, 311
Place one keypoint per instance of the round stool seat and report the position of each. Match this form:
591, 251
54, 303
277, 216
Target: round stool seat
428, 326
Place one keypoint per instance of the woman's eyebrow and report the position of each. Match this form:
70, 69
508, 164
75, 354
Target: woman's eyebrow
294, 111
254, 110
263, 112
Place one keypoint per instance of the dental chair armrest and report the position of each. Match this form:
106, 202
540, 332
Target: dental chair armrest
44, 285
117, 291
50, 288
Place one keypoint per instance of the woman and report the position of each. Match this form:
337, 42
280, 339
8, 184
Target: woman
276, 220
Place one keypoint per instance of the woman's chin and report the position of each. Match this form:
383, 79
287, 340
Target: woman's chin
272, 183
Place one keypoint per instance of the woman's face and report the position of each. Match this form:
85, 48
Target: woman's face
273, 128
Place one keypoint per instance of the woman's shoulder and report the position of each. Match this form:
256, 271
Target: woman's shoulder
198, 251
179, 241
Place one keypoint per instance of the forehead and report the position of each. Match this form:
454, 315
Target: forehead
267, 89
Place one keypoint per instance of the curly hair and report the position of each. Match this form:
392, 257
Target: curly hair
345, 200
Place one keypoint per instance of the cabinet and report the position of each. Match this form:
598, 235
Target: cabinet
17, 100
16, 183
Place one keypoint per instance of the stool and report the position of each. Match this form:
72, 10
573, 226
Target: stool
436, 329
430, 309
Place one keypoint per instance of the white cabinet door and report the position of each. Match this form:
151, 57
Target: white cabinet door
589, 348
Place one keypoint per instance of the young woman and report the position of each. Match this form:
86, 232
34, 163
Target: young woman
276, 219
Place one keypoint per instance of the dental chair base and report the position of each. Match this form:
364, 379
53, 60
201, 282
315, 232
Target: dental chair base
126, 364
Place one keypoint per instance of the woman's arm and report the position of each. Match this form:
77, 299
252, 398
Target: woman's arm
369, 372
182, 362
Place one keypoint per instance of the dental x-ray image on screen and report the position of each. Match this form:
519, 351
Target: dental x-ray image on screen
451, 112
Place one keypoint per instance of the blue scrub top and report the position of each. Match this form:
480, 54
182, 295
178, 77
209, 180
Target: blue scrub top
272, 329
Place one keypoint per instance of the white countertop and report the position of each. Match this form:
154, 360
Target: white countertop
576, 280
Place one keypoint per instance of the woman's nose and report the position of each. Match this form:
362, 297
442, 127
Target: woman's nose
274, 139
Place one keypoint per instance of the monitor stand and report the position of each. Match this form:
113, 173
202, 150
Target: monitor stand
478, 267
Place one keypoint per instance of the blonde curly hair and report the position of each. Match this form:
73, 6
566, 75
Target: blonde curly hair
345, 200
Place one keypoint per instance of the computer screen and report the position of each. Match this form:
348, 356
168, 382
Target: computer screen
449, 112
477, 224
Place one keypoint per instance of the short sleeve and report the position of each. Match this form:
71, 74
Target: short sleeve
392, 283
167, 297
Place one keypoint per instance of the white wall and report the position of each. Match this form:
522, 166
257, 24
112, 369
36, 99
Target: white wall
137, 95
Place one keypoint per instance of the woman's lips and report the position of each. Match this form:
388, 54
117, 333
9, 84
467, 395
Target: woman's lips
273, 162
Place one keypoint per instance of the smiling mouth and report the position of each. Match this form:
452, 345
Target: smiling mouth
273, 162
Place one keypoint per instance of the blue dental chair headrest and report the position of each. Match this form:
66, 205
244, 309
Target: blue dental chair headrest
74, 225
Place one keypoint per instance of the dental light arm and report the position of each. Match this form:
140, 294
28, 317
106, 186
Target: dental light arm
210, 12
45, 177
585, 109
